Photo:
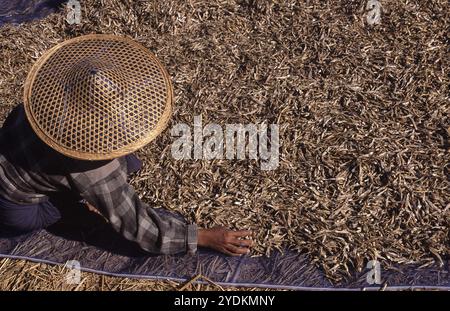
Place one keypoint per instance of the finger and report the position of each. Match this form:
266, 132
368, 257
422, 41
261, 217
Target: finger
240, 233
227, 252
237, 250
242, 243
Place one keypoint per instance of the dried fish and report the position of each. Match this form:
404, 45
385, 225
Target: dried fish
363, 116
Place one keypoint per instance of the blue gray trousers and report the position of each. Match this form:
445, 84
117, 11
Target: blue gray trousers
16, 219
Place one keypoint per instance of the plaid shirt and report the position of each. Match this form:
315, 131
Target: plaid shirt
30, 171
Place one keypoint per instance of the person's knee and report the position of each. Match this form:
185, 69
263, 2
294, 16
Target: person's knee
19, 219
22, 219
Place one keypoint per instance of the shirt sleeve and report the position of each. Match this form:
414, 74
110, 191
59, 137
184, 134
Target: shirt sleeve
107, 189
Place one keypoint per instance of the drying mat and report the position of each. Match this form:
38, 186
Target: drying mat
103, 251
19, 11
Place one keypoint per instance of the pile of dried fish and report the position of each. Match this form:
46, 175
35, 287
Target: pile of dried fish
363, 114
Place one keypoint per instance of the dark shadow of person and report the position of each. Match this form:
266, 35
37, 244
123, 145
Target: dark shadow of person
78, 223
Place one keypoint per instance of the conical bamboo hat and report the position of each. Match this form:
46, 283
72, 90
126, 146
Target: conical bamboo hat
98, 97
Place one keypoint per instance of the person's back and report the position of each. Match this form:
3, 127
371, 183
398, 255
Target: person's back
29, 169
31, 173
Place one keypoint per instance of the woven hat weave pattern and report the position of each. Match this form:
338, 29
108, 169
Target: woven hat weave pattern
98, 97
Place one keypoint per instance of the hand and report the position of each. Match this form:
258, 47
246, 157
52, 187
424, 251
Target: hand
93, 209
226, 241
